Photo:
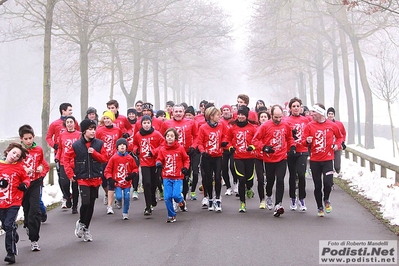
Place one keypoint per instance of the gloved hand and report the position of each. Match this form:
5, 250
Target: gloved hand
137, 152
185, 171
343, 145
292, 151
191, 151
224, 144
294, 131
232, 149
268, 149
55, 146
159, 165
250, 148
111, 182
150, 154
125, 135
3, 183
205, 155
131, 176
23, 187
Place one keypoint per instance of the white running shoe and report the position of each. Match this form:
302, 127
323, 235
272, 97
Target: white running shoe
235, 188
135, 195
110, 210
118, 204
125, 216
278, 210
79, 229
218, 205
228, 192
205, 203
269, 203
87, 237
302, 205
34, 246
105, 200
63, 204
210, 205
293, 205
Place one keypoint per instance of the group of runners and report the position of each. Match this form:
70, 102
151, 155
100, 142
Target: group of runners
230, 145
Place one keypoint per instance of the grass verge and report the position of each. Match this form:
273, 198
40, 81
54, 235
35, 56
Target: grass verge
371, 206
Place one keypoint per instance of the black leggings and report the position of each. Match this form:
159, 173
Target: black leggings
31, 207
260, 170
212, 166
194, 167
324, 168
150, 182
337, 161
244, 169
226, 158
297, 169
275, 171
88, 196
65, 185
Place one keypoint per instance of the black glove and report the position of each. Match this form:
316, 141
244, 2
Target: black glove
159, 165
268, 149
294, 131
224, 144
3, 183
205, 155
292, 151
137, 152
23, 187
343, 145
55, 146
74, 178
131, 176
250, 148
232, 150
150, 154
125, 135
191, 151
111, 182
185, 171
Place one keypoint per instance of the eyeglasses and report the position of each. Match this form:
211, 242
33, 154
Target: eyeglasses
202, 105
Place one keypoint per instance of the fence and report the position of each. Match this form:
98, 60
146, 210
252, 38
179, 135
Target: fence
372, 162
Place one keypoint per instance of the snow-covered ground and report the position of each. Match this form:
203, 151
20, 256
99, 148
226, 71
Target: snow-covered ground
368, 184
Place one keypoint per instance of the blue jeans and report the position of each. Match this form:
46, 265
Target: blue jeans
172, 190
126, 197
43, 208
7, 218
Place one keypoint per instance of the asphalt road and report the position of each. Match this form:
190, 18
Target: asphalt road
201, 237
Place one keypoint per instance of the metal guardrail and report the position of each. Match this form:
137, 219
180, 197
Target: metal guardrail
356, 155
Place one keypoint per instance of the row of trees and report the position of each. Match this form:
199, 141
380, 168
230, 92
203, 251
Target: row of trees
293, 42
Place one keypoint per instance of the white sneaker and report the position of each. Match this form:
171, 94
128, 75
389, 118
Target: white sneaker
175, 206
205, 203
218, 205
125, 216
135, 195
210, 205
228, 192
79, 229
105, 200
278, 210
87, 237
293, 204
118, 204
34, 246
110, 210
235, 188
63, 204
302, 205
269, 203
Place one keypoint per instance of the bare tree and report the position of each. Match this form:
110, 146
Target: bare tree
385, 81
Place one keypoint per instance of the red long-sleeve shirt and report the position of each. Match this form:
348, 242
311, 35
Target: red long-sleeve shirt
277, 136
240, 138
119, 167
54, 131
15, 175
156, 123
145, 144
210, 139
298, 123
122, 123
66, 140
109, 136
33, 160
187, 130
325, 135
343, 131
173, 158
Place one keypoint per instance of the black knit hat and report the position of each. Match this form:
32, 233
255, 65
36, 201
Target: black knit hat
190, 110
146, 117
203, 102
132, 110
85, 124
244, 110
121, 141
331, 109
91, 110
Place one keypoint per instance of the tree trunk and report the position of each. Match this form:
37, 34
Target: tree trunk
320, 71
84, 78
301, 87
111, 89
392, 129
145, 79
350, 136
336, 79
155, 73
165, 82
311, 89
136, 73
47, 76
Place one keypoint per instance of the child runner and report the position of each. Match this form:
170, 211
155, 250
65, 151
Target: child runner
36, 168
13, 183
120, 171
66, 139
211, 135
145, 144
174, 162
83, 163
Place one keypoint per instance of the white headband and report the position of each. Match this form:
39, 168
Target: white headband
318, 109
